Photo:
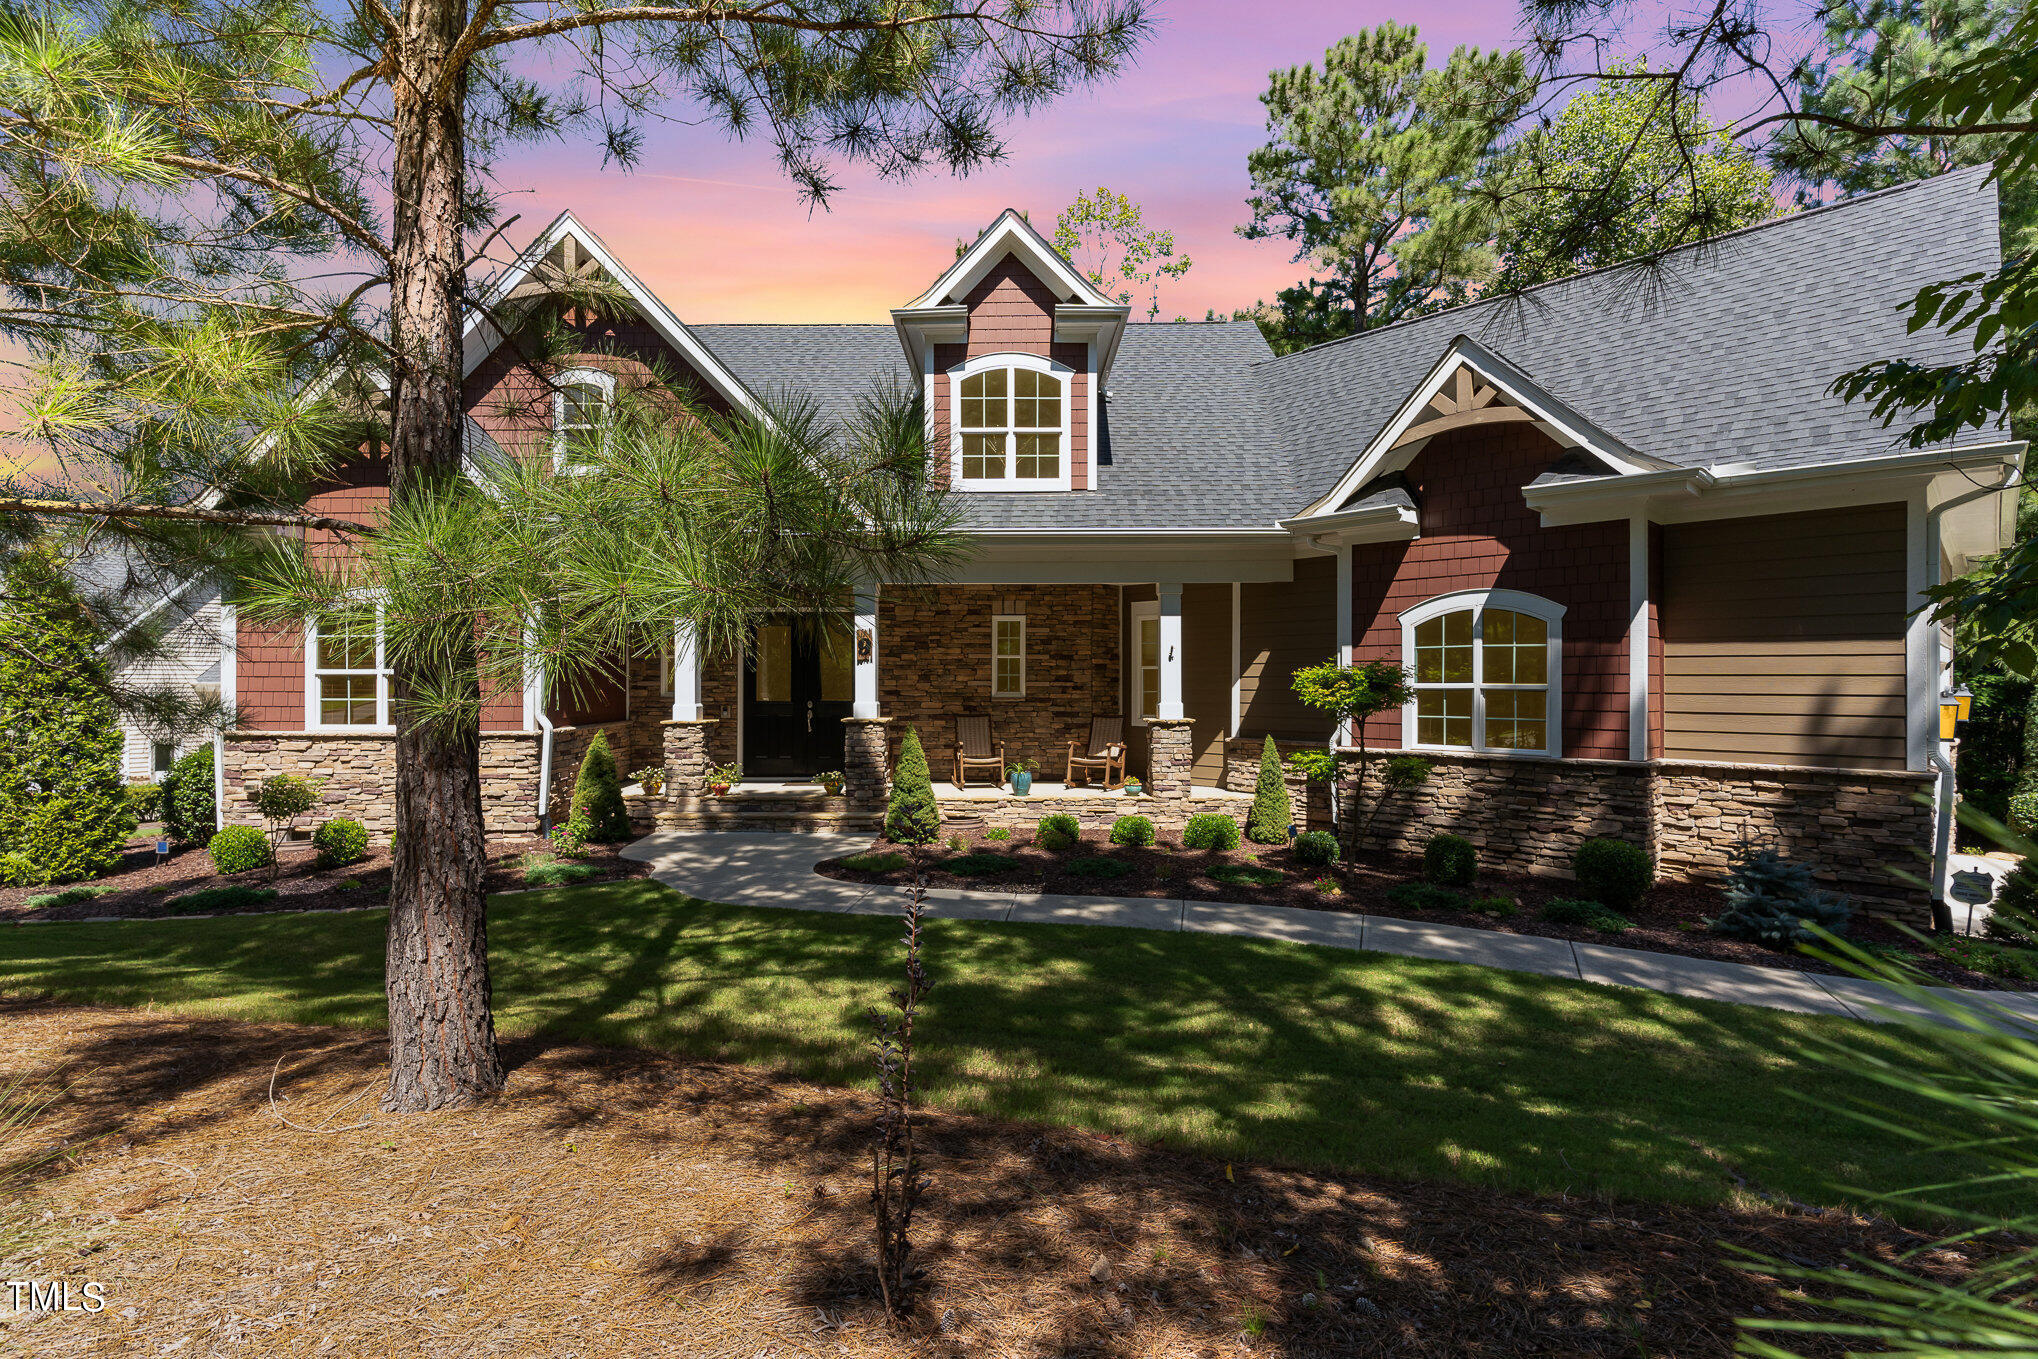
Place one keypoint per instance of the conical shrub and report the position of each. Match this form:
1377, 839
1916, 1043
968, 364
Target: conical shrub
598, 793
911, 817
1271, 813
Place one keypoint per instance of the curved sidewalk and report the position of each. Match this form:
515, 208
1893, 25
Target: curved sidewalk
772, 868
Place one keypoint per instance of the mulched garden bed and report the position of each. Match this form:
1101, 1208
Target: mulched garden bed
1669, 920
623, 1202
145, 889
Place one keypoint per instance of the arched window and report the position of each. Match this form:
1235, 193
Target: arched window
581, 398
1010, 420
1488, 673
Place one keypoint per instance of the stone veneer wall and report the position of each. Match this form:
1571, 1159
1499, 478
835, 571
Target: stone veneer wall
1528, 816
1094, 814
934, 665
359, 777
1242, 775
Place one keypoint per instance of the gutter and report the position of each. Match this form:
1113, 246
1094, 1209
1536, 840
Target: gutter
544, 772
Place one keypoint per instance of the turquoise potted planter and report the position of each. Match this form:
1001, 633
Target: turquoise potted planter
1022, 777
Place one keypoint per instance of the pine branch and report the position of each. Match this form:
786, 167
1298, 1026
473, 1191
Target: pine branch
87, 509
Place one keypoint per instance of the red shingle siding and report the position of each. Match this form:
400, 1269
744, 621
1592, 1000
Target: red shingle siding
1478, 533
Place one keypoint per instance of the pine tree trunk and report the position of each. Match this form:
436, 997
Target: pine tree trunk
441, 1029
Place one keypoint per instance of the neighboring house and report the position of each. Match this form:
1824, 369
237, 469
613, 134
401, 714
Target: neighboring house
1653, 579
184, 659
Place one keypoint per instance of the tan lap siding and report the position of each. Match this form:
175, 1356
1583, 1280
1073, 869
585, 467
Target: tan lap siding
1284, 626
1783, 639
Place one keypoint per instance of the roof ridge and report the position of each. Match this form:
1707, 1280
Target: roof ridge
1782, 219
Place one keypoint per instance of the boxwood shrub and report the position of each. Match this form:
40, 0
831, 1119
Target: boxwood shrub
1133, 830
1316, 847
1210, 830
1450, 860
1613, 872
340, 841
237, 849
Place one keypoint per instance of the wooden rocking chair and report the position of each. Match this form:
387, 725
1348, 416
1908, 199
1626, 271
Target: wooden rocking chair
975, 749
1105, 754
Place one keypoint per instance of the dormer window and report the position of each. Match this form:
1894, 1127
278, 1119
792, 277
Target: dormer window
1010, 424
580, 410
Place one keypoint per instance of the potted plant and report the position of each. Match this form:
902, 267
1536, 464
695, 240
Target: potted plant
831, 782
721, 777
1132, 787
1021, 774
651, 777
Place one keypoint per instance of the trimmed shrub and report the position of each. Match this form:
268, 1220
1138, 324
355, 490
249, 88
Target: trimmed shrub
190, 812
237, 849
340, 841
2023, 817
1590, 915
1210, 831
1771, 900
912, 817
235, 898
1613, 872
1449, 860
1057, 832
1246, 875
145, 800
1426, 896
1316, 848
982, 863
998, 833
598, 794
2013, 915
1134, 830
1267, 823
1097, 866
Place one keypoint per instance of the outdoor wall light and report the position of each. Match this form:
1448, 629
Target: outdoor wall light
1955, 705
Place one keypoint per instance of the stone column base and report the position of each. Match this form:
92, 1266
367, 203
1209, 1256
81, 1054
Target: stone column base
1168, 756
866, 762
686, 756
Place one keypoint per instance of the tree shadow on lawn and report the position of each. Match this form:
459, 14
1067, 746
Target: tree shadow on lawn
1242, 1049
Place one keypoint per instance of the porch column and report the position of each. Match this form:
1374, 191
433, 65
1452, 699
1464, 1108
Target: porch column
865, 699
1345, 735
686, 674
1170, 706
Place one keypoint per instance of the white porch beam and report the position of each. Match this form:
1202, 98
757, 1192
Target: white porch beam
1638, 637
1345, 638
1921, 635
864, 699
686, 674
1170, 705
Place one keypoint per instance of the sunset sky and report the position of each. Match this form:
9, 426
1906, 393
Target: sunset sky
713, 230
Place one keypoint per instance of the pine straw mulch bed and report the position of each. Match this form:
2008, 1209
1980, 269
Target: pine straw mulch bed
1669, 920
618, 1202
146, 889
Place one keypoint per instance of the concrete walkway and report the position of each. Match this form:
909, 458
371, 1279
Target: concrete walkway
774, 869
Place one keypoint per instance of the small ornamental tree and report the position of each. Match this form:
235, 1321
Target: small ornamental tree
911, 817
64, 811
1267, 824
281, 799
1354, 693
598, 794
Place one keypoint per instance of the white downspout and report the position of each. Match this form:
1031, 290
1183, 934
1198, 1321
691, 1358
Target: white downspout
1943, 787
534, 712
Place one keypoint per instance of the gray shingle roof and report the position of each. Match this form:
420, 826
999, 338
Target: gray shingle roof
1722, 354
1187, 442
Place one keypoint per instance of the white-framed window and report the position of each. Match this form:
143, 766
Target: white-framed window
1489, 669
581, 401
346, 671
162, 759
1146, 661
1009, 424
1008, 655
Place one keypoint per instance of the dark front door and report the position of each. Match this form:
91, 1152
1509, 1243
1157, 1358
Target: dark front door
798, 679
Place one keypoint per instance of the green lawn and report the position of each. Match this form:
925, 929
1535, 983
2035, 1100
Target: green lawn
1238, 1048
